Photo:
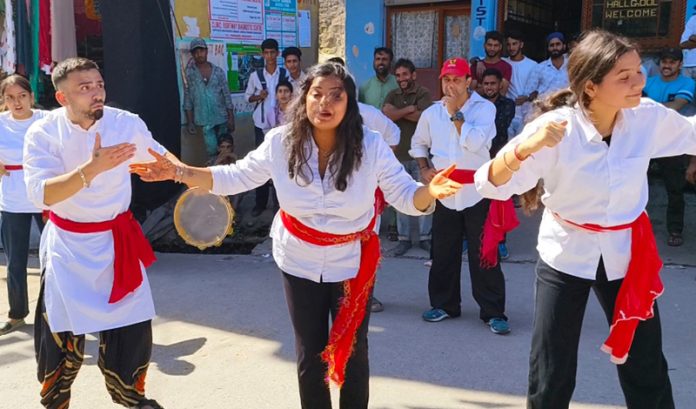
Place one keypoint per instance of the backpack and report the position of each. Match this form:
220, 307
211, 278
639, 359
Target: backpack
283, 76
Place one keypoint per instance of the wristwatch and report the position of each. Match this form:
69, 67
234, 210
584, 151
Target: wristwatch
459, 116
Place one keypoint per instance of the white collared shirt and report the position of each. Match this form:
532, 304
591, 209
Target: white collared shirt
586, 181
13, 191
79, 269
436, 135
297, 83
689, 55
546, 78
375, 120
317, 203
254, 88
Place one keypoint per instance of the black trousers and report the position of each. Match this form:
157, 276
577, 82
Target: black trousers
262, 192
124, 356
560, 307
450, 227
15, 235
310, 305
673, 169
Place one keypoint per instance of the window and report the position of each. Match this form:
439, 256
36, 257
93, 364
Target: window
427, 35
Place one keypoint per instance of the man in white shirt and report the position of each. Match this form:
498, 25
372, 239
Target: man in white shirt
93, 253
459, 129
292, 58
522, 68
688, 44
549, 75
261, 90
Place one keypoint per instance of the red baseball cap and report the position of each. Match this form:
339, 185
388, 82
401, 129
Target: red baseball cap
455, 66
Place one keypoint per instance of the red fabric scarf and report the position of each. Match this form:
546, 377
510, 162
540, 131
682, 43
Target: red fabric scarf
501, 219
640, 288
10, 168
357, 290
130, 249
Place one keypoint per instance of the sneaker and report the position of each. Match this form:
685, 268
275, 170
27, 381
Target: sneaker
499, 326
465, 247
425, 245
376, 305
428, 263
435, 315
401, 248
503, 251
11, 326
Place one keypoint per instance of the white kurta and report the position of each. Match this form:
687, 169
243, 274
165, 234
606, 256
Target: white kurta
79, 267
317, 203
13, 191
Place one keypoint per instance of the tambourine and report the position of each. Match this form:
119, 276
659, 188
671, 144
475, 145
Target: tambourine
203, 219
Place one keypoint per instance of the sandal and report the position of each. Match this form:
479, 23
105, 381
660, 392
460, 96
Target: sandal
11, 326
675, 240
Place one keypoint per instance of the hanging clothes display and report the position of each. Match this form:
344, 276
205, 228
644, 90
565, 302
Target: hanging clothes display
45, 57
63, 41
8, 57
23, 38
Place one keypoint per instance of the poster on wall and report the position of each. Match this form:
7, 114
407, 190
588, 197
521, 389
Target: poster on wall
281, 22
238, 61
237, 21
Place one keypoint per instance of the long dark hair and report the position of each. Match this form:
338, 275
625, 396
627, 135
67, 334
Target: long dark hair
349, 135
591, 60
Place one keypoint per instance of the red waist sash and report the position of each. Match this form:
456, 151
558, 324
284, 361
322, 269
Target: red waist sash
130, 249
357, 290
501, 219
640, 288
13, 167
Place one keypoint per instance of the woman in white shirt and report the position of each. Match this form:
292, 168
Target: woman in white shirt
592, 149
326, 167
17, 211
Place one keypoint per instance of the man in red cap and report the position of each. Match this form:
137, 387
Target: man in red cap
459, 129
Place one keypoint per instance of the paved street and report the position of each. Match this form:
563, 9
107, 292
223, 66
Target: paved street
223, 339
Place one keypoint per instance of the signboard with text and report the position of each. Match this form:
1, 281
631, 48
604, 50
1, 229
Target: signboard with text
634, 18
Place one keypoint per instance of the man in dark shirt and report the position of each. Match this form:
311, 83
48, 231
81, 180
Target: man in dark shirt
494, 54
504, 113
491, 84
404, 106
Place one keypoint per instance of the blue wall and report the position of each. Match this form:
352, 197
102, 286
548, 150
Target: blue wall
483, 18
366, 27
366, 24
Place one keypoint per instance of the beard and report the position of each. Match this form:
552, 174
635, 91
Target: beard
382, 70
556, 54
491, 96
96, 115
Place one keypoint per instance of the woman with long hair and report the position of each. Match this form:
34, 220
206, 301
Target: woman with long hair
591, 147
326, 167
16, 209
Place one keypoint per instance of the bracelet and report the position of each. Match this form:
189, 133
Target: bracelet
85, 183
517, 154
508, 166
179, 174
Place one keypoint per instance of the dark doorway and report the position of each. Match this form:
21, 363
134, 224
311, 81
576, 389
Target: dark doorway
537, 18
